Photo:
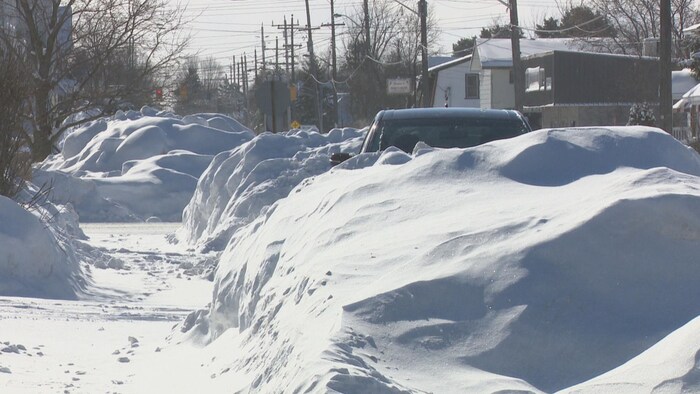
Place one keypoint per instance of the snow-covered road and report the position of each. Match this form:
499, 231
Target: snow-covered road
101, 342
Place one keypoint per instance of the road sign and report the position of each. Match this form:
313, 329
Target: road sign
398, 86
296, 124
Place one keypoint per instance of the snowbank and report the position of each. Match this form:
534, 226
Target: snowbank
241, 184
136, 165
36, 256
528, 264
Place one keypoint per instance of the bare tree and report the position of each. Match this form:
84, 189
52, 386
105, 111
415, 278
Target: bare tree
211, 74
394, 43
89, 55
15, 162
635, 20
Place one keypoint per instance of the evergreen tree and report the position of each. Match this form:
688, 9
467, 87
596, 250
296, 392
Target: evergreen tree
550, 28
463, 47
642, 115
497, 30
583, 21
190, 92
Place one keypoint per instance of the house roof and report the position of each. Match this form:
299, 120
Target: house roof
682, 82
437, 60
692, 29
497, 52
451, 63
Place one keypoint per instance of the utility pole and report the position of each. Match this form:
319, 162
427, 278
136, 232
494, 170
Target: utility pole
255, 58
518, 74
423, 13
288, 33
314, 71
367, 40
665, 89
240, 73
245, 87
334, 64
245, 73
293, 46
272, 86
233, 72
277, 54
286, 47
262, 40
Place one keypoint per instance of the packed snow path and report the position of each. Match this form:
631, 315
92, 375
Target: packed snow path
103, 341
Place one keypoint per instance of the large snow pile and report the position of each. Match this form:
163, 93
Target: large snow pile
241, 184
37, 258
529, 264
137, 165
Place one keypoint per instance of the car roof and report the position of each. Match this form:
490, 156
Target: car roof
453, 112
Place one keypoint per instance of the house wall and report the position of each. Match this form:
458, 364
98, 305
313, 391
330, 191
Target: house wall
502, 89
451, 82
585, 115
485, 89
592, 78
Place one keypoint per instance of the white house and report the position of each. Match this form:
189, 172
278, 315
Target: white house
686, 94
450, 84
484, 79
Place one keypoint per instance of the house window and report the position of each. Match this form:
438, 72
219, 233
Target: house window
471, 86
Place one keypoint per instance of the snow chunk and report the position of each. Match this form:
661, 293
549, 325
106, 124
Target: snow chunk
136, 165
243, 183
35, 261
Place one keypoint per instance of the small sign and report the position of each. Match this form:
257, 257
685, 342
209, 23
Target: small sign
296, 125
398, 86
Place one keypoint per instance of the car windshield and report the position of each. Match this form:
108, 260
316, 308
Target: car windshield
444, 132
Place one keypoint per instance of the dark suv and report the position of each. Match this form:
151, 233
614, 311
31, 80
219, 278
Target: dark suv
439, 128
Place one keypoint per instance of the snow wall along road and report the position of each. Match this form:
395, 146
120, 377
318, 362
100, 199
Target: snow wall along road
531, 264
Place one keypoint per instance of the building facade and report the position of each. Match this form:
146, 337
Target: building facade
566, 88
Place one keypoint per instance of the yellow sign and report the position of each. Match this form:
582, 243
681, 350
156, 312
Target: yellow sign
295, 124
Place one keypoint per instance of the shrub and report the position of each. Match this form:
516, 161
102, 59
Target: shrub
640, 114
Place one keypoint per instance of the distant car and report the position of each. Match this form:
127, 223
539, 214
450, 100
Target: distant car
439, 128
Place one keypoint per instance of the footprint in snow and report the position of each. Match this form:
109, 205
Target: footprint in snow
123, 359
5, 370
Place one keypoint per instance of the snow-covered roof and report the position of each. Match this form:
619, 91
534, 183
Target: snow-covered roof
497, 52
451, 63
682, 82
692, 29
692, 96
437, 60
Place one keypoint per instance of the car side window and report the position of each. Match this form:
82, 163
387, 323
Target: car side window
371, 142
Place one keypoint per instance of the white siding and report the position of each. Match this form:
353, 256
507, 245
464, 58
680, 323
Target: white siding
485, 86
502, 89
451, 83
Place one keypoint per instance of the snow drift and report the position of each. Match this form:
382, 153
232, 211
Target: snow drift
241, 184
137, 165
36, 257
528, 264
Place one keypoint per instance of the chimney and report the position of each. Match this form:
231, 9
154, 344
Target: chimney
651, 47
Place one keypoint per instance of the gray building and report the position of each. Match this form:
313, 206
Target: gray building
568, 88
